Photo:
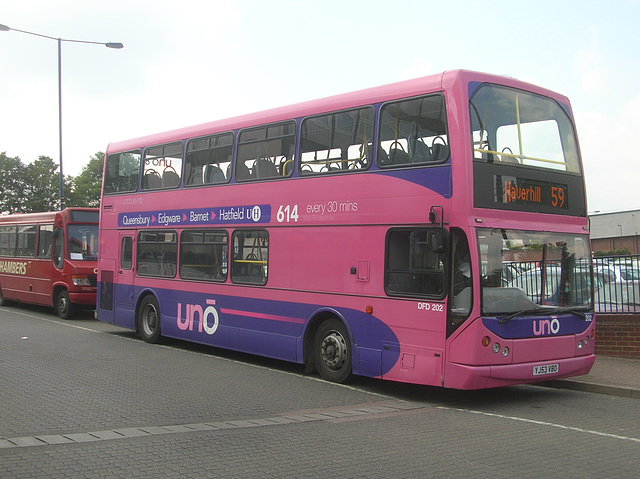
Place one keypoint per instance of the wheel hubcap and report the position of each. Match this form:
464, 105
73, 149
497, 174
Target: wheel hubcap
333, 350
150, 319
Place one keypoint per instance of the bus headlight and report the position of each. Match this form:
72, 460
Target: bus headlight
496, 347
80, 280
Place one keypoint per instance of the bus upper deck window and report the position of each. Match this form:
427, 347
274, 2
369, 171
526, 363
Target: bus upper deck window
413, 132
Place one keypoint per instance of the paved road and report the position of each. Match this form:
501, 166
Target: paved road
83, 399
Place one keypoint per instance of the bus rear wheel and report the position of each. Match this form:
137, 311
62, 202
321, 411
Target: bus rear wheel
148, 319
65, 308
332, 351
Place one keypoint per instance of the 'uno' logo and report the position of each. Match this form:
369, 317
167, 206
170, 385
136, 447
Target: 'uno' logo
545, 326
207, 318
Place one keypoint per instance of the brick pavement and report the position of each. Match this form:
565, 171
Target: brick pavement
609, 375
78, 403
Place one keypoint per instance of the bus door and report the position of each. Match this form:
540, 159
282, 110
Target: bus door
41, 268
58, 249
105, 289
123, 281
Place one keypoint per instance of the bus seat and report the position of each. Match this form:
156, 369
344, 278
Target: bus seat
397, 156
440, 152
195, 178
242, 171
170, 179
509, 159
383, 158
420, 152
507, 156
151, 180
214, 174
264, 168
188, 258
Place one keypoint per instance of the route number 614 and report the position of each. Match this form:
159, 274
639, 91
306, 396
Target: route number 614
287, 213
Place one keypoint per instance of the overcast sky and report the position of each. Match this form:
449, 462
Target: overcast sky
190, 61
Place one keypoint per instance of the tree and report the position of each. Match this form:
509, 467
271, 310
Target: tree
85, 188
42, 186
35, 187
12, 184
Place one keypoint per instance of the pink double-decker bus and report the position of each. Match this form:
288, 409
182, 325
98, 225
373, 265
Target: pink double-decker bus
432, 231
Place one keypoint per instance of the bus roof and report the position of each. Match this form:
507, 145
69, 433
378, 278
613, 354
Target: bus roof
41, 217
404, 89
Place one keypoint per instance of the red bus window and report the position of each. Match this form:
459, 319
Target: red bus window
45, 241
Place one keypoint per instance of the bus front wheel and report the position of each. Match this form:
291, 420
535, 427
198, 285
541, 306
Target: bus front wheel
332, 351
149, 320
65, 308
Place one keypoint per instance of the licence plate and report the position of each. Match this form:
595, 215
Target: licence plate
545, 369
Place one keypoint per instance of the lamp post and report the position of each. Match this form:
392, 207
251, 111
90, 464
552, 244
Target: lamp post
4, 28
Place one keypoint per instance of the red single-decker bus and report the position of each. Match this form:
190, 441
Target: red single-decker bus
50, 259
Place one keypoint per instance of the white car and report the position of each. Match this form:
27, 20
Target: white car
618, 297
618, 273
531, 283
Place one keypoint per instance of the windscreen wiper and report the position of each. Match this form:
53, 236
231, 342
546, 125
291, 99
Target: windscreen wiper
539, 311
576, 311
522, 312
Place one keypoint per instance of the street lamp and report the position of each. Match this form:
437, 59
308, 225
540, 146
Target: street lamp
4, 28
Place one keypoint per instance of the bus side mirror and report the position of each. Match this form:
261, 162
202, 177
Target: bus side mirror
438, 242
439, 239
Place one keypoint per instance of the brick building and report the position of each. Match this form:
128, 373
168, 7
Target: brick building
612, 231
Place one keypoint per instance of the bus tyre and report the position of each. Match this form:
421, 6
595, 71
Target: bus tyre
332, 351
65, 308
148, 320
3, 302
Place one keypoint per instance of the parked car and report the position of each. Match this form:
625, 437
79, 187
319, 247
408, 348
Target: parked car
618, 297
579, 292
614, 273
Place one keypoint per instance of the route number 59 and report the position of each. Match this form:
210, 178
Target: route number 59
557, 196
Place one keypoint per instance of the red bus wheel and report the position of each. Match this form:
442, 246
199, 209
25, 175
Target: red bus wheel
66, 309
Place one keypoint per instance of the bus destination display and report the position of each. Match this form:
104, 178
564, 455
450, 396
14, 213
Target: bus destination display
511, 190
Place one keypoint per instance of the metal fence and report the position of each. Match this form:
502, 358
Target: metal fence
617, 284
528, 277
